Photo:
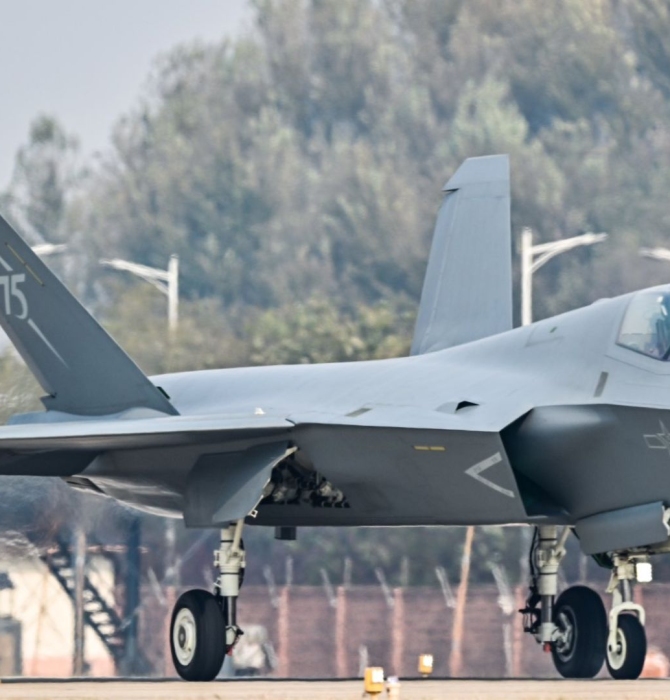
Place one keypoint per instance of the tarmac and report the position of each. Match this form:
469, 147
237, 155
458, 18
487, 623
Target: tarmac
338, 690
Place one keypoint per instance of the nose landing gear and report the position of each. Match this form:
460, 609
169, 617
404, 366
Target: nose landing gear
204, 625
626, 652
627, 640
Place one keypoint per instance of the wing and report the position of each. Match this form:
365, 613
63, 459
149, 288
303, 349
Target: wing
65, 448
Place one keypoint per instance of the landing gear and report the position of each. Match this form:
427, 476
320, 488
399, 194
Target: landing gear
625, 656
197, 636
627, 640
204, 625
231, 562
578, 650
575, 627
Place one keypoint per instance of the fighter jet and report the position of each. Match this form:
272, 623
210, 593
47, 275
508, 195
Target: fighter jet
563, 426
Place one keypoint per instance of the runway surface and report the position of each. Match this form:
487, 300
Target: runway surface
346, 690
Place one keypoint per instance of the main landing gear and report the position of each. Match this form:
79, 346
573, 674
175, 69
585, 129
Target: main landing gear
575, 627
204, 625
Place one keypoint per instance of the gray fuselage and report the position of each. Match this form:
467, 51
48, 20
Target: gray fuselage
560, 409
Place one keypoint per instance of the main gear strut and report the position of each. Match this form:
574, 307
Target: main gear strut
230, 559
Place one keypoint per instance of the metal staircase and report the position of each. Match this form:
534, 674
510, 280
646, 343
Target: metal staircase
98, 614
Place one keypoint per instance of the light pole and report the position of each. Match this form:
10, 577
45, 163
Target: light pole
45, 249
532, 259
166, 281
534, 256
655, 253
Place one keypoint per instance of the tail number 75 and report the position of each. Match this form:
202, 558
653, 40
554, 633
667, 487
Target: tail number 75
13, 296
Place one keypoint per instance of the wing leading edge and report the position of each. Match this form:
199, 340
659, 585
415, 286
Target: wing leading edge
103, 435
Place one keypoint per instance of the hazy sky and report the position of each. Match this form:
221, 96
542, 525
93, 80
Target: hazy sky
84, 61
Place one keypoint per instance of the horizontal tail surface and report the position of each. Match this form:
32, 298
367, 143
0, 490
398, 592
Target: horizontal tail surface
467, 293
76, 362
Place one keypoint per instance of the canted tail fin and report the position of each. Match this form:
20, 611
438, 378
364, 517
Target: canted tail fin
76, 362
467, 292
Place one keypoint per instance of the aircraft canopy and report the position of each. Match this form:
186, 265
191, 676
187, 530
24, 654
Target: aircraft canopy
646, 324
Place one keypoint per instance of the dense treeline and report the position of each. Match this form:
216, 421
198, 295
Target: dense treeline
297, 169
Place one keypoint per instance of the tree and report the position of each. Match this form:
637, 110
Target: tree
297, 171
317, 332
44, 181
19, 391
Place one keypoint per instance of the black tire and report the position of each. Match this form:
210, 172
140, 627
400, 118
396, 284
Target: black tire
197, 636
243, 569
626, 662
579, 612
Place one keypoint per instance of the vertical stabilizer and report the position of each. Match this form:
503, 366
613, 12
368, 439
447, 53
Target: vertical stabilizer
80, 367
467, 293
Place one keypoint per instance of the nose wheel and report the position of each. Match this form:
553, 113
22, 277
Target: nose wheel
197, 636
625, 655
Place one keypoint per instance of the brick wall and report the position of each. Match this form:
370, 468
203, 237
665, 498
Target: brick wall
419, 622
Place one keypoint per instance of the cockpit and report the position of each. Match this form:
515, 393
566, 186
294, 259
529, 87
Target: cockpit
646, 324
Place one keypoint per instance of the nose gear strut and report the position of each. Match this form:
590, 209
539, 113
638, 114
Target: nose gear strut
627, 640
